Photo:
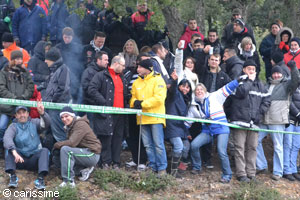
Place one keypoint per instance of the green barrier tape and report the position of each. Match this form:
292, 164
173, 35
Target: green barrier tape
113, 110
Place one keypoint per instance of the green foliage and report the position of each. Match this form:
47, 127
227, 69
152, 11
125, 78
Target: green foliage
254, 191
67, 193
147, 182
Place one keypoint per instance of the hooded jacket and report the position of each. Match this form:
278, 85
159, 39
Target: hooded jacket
58, 83
233, 66
152, 91
15, 83
253, 55
36, 64
80, 135
281, 91
278, 39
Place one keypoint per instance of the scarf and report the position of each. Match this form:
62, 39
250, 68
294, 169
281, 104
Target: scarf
97, 49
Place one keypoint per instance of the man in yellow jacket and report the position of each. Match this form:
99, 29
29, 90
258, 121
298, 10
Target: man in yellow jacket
149, 93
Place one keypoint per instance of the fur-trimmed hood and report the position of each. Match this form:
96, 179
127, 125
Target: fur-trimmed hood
284, 29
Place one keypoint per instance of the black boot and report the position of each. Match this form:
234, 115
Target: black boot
174, 166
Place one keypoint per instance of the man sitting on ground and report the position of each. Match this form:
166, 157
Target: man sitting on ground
24, 147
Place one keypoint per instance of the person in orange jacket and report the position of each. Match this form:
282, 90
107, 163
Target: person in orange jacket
9, 45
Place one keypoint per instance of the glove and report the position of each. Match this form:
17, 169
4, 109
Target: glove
281, 45
287, 47
291, 64
242, 78
138, 104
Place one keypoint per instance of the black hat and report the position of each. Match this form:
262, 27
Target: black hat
296, 39
277, 69
53, 54
21, 107
236, 11
277, 56
147, 64
249, 62
7, 37
16, 54
239, 22
67, 110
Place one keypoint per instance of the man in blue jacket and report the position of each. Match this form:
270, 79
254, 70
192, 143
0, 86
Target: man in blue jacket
29, 25
23, 145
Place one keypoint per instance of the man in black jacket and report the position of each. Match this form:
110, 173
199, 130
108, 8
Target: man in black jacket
233, 65
250, 102
107, 88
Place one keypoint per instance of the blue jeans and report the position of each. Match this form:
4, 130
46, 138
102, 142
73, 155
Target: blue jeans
4, 119
153, 139
277, 138
204, 138
57, 126
291, 146
180, 147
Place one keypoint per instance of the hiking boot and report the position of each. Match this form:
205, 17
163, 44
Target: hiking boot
253, 179
243, 179
275, 177
39, 184
297, 176
174, 166
13, 181
261, 171
116, 167
85, 173
195, 171
208, 165
161, 173
290, 177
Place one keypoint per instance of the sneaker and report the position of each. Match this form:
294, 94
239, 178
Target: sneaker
195, 171
85, 173
105, 166
130, 164
39, 184
290, 177
223, 180
68, 184
297, 176
116, 167
243, 179
275, 177
13, 181
208, 165
142, 167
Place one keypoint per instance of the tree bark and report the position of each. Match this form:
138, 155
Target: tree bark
174, 24
200, 15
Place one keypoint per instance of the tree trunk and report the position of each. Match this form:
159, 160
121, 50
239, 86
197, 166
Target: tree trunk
174, 24
200, 15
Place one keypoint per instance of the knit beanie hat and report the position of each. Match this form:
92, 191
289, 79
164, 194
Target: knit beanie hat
277, 69
67, 110
296, 39
147, 64
277, 56
240, 22
16, 54
7, 37
53, 54
236, 11
249, 62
